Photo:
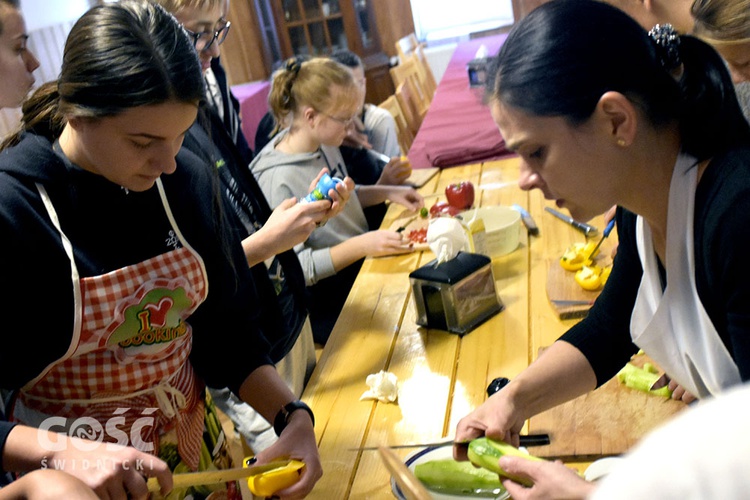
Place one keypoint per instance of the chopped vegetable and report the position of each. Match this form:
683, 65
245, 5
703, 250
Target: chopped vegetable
578, 255
458, 478
486, 452
642, 379
424, 212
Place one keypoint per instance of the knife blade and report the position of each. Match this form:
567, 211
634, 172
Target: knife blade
525, 441
586, 229
188, 479
561, 302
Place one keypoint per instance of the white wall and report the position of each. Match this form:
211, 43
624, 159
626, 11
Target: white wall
43, 13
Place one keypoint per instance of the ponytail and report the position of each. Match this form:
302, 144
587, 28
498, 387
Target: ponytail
281, 99
711, 119
40, 116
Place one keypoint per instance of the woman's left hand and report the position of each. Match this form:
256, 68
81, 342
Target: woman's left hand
298, 442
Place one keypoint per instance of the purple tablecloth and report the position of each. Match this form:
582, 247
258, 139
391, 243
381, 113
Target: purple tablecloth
253, 99
458, 128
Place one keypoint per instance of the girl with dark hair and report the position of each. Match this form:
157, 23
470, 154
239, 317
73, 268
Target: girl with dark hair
114, 238
601, 113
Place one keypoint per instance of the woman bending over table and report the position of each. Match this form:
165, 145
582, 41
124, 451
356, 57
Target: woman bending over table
603, 113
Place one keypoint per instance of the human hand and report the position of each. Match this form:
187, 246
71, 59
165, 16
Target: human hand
291, 223
340, 197
496, 418
395, 172
406, 196
679, 393
298, 442
552, 480
115, 471
47, 484
381, 242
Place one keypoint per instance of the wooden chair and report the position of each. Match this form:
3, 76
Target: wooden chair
405, 135
405, 97
408, 71
408, 47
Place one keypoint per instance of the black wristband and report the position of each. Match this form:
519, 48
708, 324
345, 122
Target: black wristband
282, 418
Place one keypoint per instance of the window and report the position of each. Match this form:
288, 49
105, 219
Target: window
441, 19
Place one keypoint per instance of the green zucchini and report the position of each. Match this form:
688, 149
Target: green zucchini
642, 379
450, 477
486, 452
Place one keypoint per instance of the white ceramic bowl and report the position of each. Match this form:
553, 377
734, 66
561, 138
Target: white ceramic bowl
502, 225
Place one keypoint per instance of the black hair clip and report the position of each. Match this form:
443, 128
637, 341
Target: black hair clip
667, 42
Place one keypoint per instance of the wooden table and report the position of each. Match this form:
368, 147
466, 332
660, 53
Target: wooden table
442, 376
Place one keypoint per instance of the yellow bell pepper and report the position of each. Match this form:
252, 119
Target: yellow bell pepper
268, 482
588, 277
592, 277
578, 255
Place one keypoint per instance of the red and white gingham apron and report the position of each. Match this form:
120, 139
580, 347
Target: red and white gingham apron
129, 353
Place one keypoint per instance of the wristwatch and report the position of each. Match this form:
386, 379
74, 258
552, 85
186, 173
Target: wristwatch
282, 418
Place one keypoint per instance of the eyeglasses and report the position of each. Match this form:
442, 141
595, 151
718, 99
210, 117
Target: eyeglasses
205, 39
343, 121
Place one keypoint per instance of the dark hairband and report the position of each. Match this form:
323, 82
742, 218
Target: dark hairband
667, 43
293, 65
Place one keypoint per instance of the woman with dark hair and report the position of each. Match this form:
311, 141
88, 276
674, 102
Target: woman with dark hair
114, 238
603, 113
17, 63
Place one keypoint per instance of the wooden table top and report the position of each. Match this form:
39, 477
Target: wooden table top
442, 376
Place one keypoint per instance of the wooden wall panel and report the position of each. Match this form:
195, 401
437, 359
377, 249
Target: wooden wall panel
395, 20
243, 52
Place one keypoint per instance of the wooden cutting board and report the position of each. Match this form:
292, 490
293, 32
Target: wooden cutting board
561, 285
607, 421
420, 176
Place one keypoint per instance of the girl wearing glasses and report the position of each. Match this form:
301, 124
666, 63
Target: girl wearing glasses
268, 237
320, 99
115, 235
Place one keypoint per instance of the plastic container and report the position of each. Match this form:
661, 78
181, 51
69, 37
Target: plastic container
502, 225
325, 184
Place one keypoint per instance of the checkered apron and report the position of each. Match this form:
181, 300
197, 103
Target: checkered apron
128, 359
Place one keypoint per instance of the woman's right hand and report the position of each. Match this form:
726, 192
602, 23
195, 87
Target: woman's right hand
498, 417
382, 242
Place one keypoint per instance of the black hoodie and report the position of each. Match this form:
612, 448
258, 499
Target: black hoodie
109, 228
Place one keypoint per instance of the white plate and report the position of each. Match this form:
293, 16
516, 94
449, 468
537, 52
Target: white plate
425, 455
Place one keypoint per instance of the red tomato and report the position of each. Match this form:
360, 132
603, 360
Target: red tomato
443, 208
460, 195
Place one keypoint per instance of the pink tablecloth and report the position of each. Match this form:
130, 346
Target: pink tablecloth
253, 99
458, 128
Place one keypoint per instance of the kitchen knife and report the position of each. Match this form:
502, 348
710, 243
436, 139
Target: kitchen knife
586, 229
527, 220
525, 441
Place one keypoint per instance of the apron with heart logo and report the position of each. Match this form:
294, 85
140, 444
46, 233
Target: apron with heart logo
126, 376
671, 324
